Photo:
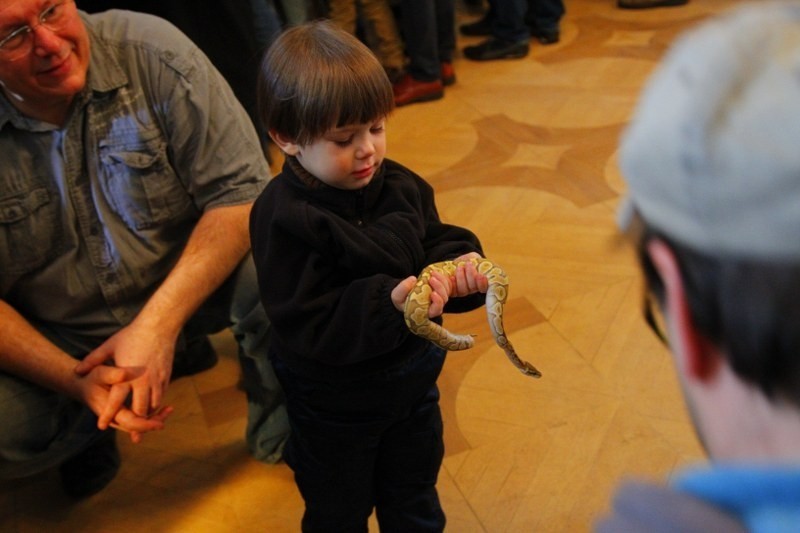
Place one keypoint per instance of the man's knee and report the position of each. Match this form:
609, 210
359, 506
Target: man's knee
40, 427
246, 297
26, 411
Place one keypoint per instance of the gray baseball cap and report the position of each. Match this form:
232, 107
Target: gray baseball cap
712, 155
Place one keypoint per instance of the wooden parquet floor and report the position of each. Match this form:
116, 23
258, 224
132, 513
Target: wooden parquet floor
524, 153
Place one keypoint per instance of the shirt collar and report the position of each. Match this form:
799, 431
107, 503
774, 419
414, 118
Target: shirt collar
105, 72
762, 495
332, 196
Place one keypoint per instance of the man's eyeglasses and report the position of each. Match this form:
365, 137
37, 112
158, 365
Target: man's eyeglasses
655, 317
19, 42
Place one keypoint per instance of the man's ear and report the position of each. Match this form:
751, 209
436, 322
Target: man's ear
697, 357
287, 145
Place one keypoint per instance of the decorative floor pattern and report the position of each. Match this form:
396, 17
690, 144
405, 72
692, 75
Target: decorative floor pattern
524, 153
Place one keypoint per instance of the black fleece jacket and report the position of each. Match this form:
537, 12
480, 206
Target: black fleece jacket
327, 260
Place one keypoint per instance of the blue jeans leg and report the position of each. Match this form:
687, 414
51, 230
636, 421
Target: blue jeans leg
41, 429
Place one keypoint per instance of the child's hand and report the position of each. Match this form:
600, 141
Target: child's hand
467, 279
400, 292
442, 286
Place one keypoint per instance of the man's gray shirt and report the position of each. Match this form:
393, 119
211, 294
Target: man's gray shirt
94, 215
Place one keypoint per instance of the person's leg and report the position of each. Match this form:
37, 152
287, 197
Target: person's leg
236, 305
343, 14
411, 452
509, 23
296, 11
544, 17
482, 26
335, 434
510, 34
409, 465
381, 31
445, 13
267, 22
423, 82
43, 429
419, 29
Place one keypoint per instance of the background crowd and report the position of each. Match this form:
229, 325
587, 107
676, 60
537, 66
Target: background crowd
415, 40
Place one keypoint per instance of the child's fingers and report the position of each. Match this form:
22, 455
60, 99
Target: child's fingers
463, 279
440, 293
437, 305
400, 292
482, 283
441, 284
469, 281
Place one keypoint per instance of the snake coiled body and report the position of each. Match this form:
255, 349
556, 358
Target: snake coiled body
418, 301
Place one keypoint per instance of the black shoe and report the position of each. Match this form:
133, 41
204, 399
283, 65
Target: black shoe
92, 469
493, 48
480, 28
198, 356
545, 36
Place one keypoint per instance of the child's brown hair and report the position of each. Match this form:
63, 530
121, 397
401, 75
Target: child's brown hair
316, 77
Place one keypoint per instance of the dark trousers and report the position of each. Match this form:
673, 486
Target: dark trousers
373, 442
428, 27
513, 18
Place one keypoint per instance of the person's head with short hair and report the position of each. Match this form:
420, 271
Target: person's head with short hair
712, 164
319, 87
44, 56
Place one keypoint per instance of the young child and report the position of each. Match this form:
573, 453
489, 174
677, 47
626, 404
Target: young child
337, 238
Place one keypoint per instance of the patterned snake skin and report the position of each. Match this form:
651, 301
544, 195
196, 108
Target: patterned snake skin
419, 300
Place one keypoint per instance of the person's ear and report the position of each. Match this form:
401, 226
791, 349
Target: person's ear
287, 145
697, 357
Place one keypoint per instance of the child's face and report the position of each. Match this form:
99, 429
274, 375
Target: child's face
346, 157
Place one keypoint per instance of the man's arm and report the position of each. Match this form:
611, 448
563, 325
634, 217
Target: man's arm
26, 353
216, 246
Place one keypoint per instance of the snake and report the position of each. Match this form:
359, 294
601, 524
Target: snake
415, 310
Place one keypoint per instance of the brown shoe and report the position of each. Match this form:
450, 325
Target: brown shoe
410, 91
448, 74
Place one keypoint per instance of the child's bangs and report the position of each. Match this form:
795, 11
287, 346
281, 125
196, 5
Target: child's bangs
366, 98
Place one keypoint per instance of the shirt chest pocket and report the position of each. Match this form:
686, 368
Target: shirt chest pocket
29, 230
140, 184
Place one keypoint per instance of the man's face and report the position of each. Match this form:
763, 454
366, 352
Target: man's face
49, 67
